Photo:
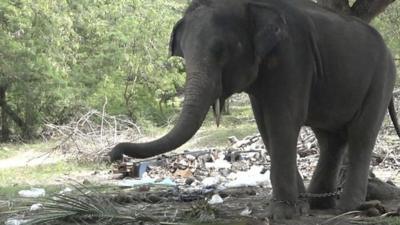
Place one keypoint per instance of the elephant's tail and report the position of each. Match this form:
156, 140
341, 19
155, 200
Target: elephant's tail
393, 116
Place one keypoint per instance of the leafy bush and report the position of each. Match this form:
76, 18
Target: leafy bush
60, 57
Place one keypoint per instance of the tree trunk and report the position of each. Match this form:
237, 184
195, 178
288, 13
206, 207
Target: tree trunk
14, 116
336, 5
226, 110
369, 9
28, 132
5, 131
8, 113
364, 9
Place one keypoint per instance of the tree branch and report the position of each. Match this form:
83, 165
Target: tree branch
336, 5
363, 9
369, 9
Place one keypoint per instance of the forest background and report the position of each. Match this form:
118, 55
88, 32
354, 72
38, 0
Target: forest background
59, 59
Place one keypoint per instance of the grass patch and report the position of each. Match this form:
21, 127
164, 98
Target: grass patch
239, 123
11, 192
6, 152
15, 179
218, 137
391, 221
9, 150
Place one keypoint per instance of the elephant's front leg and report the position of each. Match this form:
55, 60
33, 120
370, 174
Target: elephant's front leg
259, 117
283, 141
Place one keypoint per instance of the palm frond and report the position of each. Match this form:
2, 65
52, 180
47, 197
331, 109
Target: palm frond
85, 205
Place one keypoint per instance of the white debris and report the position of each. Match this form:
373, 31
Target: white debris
145, 181
65, 190
233, 139
13, 221
33, 193
250, 178
215, 199
183, 162
246, 212
136, 182
36, 207
210, 181
240, 143
219, 164
191, 157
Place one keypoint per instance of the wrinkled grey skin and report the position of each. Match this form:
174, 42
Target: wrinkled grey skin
301, 65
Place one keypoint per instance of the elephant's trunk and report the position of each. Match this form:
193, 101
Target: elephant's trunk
201, 90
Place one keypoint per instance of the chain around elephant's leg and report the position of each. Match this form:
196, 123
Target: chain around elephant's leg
324, 180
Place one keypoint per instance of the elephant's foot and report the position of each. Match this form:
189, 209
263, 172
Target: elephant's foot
348, 203
322, 203
281, 210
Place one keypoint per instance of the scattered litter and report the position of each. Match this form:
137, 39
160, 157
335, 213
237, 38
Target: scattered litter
130, 169
136, 182
215, 199
219, 164
65, 190
250, 178
168, 182
13, 221
33, 193
145, 181
191, 157
183, 173
36, 207
245, 163
246, 212
210, 181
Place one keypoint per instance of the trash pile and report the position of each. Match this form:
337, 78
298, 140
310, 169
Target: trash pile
244, 164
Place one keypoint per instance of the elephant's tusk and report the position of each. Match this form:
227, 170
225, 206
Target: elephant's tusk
217, 111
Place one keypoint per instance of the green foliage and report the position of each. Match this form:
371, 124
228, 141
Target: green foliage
59, 57
388, 23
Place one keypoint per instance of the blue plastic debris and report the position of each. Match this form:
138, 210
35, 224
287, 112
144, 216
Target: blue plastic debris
168, 182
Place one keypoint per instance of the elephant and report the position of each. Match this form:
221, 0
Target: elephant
301, 65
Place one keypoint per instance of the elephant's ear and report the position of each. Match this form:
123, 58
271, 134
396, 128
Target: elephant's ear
174, 46
268, 27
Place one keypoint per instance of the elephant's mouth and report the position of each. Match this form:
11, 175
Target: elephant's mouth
217, 108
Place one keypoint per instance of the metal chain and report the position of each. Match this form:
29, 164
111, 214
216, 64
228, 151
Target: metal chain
321, 195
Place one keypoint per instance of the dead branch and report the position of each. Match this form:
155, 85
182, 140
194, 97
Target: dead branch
91, 135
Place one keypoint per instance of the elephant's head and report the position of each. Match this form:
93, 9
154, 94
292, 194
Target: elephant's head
223, 43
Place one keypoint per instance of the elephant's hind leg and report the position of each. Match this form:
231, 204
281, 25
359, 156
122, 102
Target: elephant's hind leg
362, 133
361, 144
324, 180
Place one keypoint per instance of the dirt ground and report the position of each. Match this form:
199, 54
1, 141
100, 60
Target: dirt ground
163, 204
